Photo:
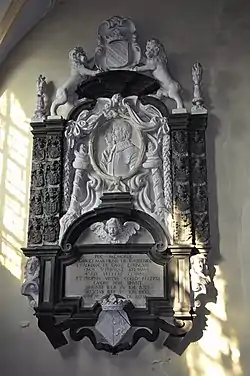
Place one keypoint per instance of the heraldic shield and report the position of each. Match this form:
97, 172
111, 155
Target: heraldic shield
117, 45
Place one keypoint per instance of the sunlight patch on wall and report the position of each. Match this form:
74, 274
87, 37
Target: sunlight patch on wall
217, 352
15, 159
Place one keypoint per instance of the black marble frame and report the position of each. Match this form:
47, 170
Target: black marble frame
190, 212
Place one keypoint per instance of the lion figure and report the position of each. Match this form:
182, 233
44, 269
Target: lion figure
156, 62
79, 69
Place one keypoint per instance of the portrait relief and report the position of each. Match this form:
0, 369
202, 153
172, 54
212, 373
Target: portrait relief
118, 152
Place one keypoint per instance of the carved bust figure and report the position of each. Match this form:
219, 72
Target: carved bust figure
120, 155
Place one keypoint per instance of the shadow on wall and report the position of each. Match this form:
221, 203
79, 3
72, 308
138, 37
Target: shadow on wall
15, 159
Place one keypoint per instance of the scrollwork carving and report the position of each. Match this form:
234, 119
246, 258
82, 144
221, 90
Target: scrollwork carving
109, 143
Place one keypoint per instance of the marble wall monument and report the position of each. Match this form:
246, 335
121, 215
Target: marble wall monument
118, 225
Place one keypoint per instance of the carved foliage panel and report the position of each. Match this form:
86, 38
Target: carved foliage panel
199, 188
45, 191
182, 216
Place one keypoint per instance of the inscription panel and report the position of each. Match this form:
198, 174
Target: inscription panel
134, 276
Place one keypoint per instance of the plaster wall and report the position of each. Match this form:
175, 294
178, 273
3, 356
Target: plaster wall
216, 33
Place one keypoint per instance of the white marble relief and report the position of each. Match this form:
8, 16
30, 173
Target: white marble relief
30, 286
114, 231
117, 46
113, 322
79, 70
199, 275
121, 154
156, 63
118, 146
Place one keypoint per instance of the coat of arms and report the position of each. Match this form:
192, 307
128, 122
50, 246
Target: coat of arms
117, 45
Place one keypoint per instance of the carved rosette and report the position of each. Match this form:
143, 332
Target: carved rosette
45, 191
199, 188
182, 217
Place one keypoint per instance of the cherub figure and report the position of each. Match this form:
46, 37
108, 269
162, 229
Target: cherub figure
157, 64
79, 69
199, 273
113, 232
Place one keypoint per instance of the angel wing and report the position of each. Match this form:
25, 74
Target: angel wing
129, 229
98, 229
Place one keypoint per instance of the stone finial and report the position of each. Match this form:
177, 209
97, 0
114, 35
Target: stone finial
41, 99
197, 101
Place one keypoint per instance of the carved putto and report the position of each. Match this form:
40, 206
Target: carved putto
199, 274
30, 286
156, 62
117, 46
79, 70
114, 232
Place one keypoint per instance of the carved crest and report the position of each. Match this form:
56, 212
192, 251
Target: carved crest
117, 46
